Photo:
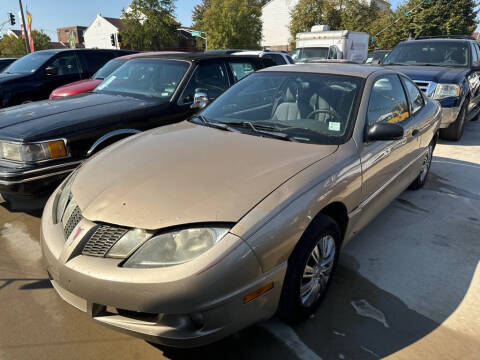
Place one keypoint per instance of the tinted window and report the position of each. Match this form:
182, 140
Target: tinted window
210, 78
290, 60
152, 78
277, 58
437, 53
109, 68
314, 108
29, 63
474, 53
241, 69
414, 95
387, 101
66, 64
94, 60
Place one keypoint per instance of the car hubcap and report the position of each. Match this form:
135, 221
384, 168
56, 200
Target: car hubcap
426, 163
317, 270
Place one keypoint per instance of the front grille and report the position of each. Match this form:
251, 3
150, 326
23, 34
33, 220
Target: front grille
426, 86
102, 240
72, 222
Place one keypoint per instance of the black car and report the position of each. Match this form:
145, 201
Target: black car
446, 69
34, 76
40, 143
5, 62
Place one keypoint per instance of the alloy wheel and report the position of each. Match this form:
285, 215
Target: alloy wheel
317, 270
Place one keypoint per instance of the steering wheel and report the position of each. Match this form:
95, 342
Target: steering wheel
330, 112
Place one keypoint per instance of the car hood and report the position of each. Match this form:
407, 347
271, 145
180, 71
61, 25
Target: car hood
31, 121
185, 174
432, 73
77, 87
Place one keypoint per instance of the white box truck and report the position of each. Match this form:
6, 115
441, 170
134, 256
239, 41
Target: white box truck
321, 43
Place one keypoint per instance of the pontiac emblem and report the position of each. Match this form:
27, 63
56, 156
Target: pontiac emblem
76, 235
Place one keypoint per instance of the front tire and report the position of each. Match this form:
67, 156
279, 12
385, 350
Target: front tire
455, 131
310, 270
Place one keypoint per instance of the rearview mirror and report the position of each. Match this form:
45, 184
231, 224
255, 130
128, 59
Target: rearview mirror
51, 71
385, 131
200, 100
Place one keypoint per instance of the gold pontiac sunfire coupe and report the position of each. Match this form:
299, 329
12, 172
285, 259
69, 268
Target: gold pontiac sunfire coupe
185, 234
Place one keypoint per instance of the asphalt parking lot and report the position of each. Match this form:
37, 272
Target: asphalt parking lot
408, 287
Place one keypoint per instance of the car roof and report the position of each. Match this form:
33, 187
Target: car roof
56, 51
430, 40
191, 56
149, 53
358, 70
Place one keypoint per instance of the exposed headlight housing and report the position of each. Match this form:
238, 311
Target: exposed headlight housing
443, 91
33, 152
175, 247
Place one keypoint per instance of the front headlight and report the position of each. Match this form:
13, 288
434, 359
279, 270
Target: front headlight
175, 247
65, 197
443, 91
33, 152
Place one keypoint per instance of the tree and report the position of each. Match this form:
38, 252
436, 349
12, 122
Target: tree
198, 14
308, 13
233, 24
149, 25
12, 46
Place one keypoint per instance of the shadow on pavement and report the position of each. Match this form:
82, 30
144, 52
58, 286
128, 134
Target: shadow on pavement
31, 206
411, 244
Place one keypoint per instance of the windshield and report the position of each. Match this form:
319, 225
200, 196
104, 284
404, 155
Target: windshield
29, 63
306, 107
304, 54
146, 78
435, 53
108, 68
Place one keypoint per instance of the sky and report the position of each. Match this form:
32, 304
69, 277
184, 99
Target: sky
49, 15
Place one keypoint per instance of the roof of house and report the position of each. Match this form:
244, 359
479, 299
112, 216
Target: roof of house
115, 22
17, 32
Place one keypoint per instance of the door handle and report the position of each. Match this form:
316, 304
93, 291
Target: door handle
415, 132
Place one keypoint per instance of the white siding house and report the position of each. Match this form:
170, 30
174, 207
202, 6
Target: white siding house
99, 32
276, 22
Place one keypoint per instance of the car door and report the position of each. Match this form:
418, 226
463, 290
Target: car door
420, 120
384, 162
474, 80
60, 70
209, 77
93, 60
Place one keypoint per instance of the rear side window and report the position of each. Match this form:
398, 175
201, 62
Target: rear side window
277, 58
241, 69
474, 52
94, 60
290, 60
210, 78
414, 95
387, 101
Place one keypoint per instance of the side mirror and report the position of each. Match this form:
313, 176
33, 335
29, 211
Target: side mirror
51, 71
200, 100
384, 131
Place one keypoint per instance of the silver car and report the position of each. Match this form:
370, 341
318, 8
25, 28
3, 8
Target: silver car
188, 233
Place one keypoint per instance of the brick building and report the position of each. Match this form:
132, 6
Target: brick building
64, 33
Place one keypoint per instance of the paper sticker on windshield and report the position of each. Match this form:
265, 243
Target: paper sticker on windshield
334, 126
107, 82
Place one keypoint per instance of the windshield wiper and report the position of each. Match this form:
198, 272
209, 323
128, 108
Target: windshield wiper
263, 129
218, 125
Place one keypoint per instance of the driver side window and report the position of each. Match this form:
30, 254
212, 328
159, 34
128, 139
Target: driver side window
66, 64
210, 78
387, 101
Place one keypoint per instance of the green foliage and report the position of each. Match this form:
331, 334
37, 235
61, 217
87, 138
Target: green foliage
434, 17
12, 46
149, 25
233, 24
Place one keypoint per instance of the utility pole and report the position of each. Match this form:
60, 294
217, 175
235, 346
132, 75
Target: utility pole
24, 27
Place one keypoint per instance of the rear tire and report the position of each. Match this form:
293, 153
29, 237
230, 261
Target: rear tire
311, 267
455, 131
421, 179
